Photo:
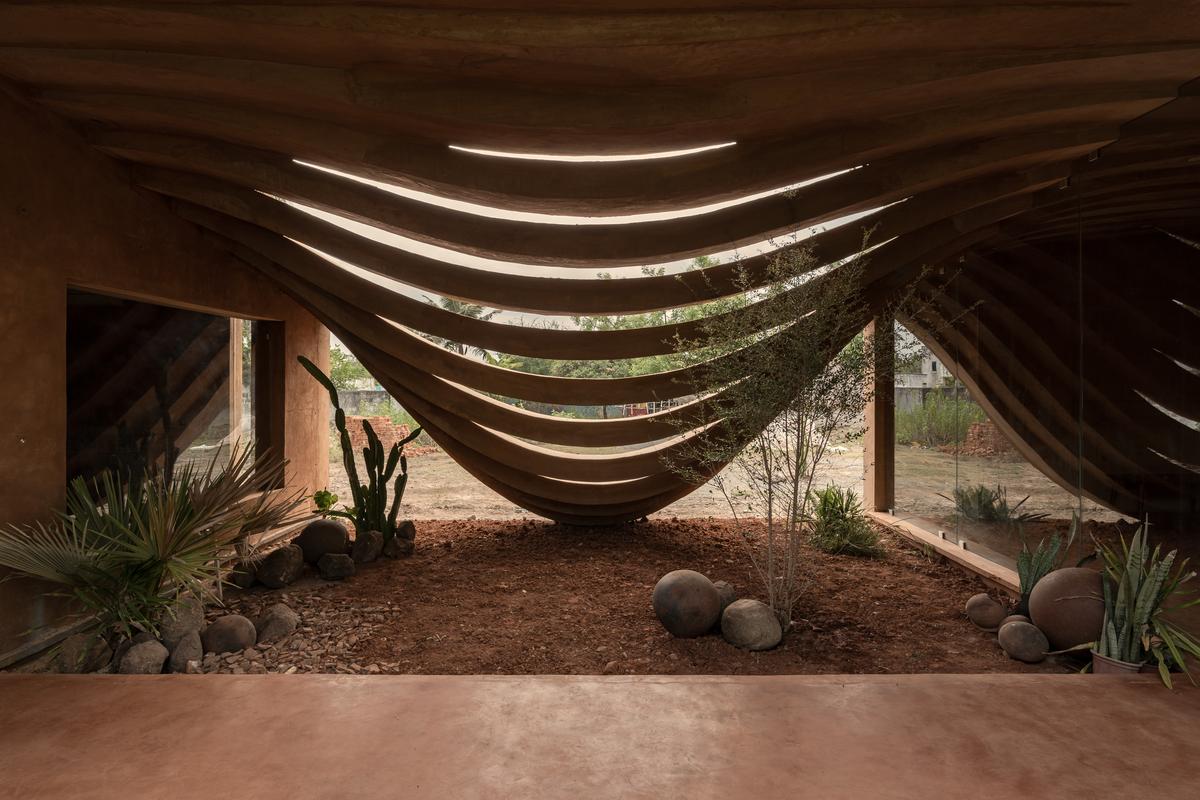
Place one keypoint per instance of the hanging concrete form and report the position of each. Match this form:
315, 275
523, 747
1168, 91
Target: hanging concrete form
987, 141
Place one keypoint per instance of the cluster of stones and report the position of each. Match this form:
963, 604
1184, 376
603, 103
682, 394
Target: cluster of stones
1066, 610
182, 643
185, 644
327, 547
329, 638
688, 604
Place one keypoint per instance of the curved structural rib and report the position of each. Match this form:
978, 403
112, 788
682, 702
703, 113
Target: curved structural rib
1042, 194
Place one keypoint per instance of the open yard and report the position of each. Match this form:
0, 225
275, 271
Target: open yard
439, 488
533, 597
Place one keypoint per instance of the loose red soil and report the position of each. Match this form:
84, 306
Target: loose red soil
525, 596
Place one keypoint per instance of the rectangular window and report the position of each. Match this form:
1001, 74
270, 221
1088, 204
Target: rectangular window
151, 386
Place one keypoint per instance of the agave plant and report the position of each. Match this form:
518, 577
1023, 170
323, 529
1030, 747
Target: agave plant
371, 510
839, 525
985, 504
1137, 585
125, 549
1033, 565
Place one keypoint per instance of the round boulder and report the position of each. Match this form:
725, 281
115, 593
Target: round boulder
242, 575
189, 648
83, 652
1014, 618
985, 611
1068, 606
727, 593
403, 541
228, 633
751, 624
1023, 641
144, 658
686, 603
322, 536
335, 566
184, 617
275, 623
368, 546
281, 567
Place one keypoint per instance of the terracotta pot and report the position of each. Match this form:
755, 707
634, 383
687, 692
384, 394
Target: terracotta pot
1103, 665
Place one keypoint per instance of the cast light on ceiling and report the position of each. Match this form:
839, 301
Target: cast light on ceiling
618, 157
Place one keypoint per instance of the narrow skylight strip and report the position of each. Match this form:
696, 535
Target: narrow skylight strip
480, 151
1182, 420
1176, 462
1183, 366
493, 212
515, 268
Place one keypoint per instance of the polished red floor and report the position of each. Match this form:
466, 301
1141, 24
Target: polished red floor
826, 737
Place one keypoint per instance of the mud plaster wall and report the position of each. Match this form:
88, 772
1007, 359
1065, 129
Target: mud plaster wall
69, 217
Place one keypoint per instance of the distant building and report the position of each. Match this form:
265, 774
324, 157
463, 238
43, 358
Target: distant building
923, 370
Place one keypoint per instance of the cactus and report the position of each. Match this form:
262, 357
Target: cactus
371, 510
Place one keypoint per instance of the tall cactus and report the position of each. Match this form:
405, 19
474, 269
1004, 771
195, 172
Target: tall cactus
371, 511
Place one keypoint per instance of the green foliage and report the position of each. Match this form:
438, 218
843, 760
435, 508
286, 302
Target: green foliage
1033, 565
985, 504
839, 525
626, 367
125, 550
940, 421
782, 376
1137, 585
371, 510
467, 310
345, 370
325, 500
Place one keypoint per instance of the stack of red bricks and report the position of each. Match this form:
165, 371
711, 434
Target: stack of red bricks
389, 432
985, 439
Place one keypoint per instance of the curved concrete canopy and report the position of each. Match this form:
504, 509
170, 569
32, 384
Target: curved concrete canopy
996, 137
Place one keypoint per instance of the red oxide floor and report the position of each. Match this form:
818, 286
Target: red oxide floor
727, 737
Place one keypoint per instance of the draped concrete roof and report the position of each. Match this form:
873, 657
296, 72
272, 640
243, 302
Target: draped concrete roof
1014, 141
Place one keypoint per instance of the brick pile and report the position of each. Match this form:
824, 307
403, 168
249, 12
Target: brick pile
389, 433
985, 439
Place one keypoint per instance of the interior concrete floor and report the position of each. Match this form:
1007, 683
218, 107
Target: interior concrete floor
828, 737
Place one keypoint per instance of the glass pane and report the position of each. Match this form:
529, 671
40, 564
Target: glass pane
149, 385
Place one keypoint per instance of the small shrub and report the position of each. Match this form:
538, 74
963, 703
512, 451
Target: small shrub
985, 504
941, 421
839, 525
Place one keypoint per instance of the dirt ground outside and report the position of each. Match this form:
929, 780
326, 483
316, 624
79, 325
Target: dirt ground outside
438, 488
531, 597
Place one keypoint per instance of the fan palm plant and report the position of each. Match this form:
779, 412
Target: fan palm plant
125, 550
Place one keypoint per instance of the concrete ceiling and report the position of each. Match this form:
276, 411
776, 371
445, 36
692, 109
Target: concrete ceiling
988, 135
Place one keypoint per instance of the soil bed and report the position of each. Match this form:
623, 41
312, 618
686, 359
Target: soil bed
528, 596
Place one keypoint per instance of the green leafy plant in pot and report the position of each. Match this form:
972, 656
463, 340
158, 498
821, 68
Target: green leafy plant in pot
1138, 583
371, 510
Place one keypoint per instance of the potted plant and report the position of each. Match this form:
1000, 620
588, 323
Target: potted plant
1137, 585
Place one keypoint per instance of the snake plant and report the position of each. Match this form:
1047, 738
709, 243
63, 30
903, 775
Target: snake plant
1137, 585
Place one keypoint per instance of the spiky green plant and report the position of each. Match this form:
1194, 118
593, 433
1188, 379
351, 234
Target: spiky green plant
371, 510
839, 525
124, 550
1137, 585
1033, 565
985, 504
